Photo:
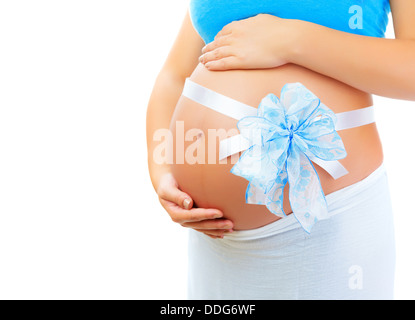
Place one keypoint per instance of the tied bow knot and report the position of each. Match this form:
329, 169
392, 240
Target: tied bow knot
284, 136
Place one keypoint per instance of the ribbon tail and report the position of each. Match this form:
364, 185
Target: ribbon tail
333, 167
306, 195
275, 198
255, 195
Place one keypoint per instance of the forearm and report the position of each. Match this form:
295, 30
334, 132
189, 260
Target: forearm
384, 67
163, 100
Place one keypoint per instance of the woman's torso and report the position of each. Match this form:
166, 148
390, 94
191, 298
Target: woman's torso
211, 185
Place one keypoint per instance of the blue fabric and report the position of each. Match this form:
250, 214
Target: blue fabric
364, 17
285, 133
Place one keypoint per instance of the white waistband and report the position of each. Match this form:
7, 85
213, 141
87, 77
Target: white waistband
290, 222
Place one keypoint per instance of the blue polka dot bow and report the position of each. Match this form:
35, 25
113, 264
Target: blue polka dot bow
284, 136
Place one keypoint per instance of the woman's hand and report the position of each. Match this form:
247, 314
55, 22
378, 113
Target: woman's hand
179, 206
261, 42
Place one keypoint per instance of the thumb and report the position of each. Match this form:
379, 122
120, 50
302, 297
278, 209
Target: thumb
183, 200
173, 194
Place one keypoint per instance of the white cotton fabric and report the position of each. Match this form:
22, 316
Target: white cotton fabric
350, 255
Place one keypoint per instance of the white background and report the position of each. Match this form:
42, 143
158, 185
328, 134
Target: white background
78, 216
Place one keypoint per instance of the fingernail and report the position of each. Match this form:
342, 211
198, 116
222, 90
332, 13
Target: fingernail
201, 58
186, 204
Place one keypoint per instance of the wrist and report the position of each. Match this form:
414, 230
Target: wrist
296, 41
157, 172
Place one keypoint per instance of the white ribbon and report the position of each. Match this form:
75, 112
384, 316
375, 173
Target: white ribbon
238, 110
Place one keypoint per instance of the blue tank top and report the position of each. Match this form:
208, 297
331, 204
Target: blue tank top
364, 17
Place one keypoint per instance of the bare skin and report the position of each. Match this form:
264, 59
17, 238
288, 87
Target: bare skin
249, 86
212, 185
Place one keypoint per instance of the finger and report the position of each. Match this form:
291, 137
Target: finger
215, 224
218, 53
218, 42
214, 233
181, 215
213, 237
226, 30
226, 63
174, 194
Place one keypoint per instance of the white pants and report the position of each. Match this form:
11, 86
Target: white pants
351, 255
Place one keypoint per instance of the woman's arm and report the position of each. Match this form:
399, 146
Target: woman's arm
180, 63
385, 67
380, 66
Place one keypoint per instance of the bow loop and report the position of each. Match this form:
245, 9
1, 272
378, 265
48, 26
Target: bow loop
285, 133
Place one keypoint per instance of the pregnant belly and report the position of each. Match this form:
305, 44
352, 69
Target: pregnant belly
197, 131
